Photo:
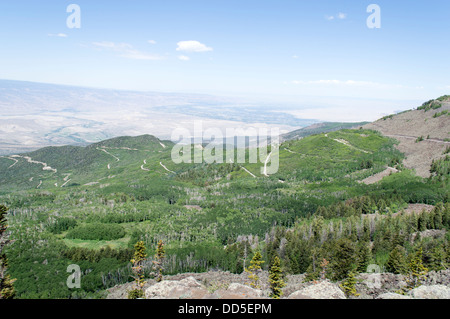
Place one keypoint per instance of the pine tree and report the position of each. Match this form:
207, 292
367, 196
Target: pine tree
6, 283
138, 271
349, 284
343, 259
416, 270
364, 256
446, 215
396, 263
255, 269
276, 277
438, 259
158, 262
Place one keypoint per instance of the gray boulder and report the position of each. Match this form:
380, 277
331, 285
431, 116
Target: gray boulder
321, 290
237, 291
298, 295
188, 288
430, 292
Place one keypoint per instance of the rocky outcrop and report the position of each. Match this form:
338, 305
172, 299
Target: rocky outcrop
430, 292
321, 290
372, 286
438, 278
224, 285
188, 288
422, 292
237, 291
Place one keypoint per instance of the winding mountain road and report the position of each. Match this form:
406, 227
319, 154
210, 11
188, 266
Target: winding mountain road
433, 140
103, 150
12, 159
163, 166
31, 161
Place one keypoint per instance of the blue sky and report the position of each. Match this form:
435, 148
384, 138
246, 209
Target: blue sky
284, 49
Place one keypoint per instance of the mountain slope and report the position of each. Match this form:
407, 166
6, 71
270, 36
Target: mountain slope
320, 128
54, 167
423, 134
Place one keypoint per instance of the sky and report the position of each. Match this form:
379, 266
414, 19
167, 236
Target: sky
292, 51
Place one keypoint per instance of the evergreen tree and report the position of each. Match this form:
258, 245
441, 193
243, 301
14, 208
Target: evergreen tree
6, 283
313, 271
297, 252
364, 256
317, 225
255, 269
276, 278
416, 270
138, 271
397, 261
423, 221
344, 258
438, 259
158, 262
438, 217
349, 284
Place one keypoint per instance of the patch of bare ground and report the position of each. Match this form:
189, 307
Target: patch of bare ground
415, 208
407, 127
379, 176
193, 207
411, 209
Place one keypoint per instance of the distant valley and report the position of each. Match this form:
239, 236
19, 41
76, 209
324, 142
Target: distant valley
34, 115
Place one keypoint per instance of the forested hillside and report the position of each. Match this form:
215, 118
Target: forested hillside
90, 205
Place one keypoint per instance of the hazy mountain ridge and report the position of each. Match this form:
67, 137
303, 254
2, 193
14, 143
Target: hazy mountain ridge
34, 115
320, 128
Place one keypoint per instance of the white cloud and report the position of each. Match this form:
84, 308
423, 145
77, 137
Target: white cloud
183, 58
59, 35
340, 16
126, 50
192, 46
295, 56
151, 41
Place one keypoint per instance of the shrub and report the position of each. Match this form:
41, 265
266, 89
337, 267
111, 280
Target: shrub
97, 232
